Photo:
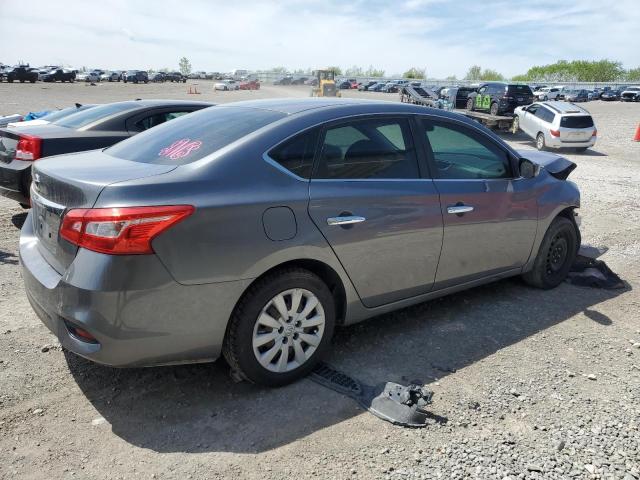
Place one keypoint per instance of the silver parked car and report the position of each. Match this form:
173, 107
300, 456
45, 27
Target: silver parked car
557, 125
254, 228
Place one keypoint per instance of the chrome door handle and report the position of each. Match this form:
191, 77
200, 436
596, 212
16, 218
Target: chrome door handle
459, 209
346, 220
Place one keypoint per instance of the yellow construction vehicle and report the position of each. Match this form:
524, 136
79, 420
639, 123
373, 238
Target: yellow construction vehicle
326, 86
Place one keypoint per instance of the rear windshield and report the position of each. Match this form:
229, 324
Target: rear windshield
519, 89
84, 118
58, 114
194, 136
579, 121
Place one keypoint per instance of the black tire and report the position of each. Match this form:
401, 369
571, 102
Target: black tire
494, 109
540, 143
21, 80
470, 104
32, 81
581, 149
25, 206
9, 79
238, 347
557, 253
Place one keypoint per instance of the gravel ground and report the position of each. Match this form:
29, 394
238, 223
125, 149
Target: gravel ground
528, 384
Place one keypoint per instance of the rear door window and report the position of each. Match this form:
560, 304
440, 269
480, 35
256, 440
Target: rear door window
192, 137
364, 149
156, 119
577, 121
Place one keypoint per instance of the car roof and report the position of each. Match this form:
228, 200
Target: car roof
343, 106
566, 108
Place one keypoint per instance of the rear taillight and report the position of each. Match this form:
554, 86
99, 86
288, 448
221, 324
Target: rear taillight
120, 231
554, 133
595, 133
29, 148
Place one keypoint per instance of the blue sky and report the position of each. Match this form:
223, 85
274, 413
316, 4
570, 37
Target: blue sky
445, 37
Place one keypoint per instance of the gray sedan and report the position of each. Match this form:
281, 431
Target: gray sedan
252, 229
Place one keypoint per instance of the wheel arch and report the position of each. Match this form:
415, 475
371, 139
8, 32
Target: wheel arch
325, 272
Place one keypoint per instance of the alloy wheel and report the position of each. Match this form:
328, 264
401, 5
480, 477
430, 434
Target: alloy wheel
288, 330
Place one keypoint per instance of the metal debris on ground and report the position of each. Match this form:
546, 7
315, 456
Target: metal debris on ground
588, 271
395, 403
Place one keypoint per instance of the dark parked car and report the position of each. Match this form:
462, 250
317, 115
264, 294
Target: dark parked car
299, 80
97, 127
462, 95
377, 87
175, 77
286, 80
21, 73
249, 230
610, 95
576, 96
157, 77
135, 76
499, 98
344, 85
59, 75
363, 87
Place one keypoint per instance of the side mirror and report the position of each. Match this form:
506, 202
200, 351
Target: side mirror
528, 169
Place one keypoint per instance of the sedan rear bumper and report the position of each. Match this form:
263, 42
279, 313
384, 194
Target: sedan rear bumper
137, 313
15, 179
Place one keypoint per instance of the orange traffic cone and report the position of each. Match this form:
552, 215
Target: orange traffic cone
637, 137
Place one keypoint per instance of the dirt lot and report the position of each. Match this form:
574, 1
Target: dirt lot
528, 384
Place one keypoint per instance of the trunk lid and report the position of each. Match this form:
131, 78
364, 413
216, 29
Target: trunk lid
75, 181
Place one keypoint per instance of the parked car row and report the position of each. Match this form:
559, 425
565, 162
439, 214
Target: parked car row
53, 73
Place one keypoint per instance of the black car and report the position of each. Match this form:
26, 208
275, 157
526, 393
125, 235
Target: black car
462, 95
59, 75
364, 87
174, 77
499, 98
22, 73
610, 95
157, 77
135, 76
286, 80
91, 129
344, 85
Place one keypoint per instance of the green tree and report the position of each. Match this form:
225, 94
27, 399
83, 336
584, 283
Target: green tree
474, 73
489, 75
577, 71
374, 72
354, 71
413, 72
633, 75
336, 70
281, 70
185, 66
451, 78
520, 78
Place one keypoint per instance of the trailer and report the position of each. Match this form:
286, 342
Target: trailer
498, 122
418, 96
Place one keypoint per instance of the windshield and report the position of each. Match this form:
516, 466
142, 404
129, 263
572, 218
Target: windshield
194, 136
84, 118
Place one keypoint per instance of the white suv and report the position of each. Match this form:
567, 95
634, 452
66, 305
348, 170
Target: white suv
548, 93
556, 125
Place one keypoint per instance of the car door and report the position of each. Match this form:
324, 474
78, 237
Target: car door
528, 119
372, 203
490, 217
481, 98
